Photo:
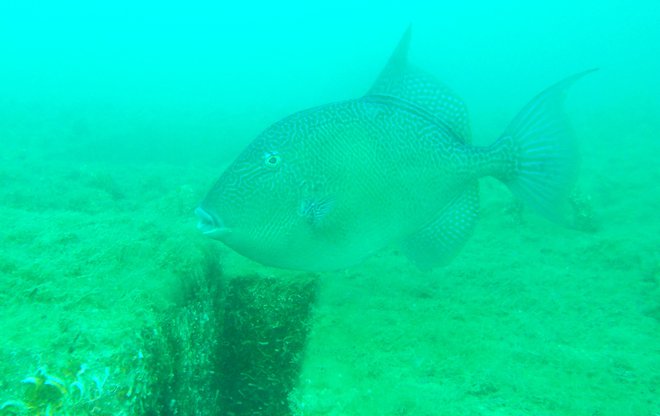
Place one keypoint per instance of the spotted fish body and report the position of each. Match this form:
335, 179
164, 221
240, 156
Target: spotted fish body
327, 187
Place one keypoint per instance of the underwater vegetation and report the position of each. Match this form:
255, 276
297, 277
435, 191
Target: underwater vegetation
78, 393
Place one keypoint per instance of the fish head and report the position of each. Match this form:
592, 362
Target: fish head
260, 206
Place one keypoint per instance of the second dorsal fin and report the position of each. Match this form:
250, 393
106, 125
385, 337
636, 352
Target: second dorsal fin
401, 80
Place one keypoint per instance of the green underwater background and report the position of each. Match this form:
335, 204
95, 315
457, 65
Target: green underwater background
116, 118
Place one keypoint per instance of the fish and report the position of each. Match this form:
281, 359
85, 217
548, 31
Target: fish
326, 188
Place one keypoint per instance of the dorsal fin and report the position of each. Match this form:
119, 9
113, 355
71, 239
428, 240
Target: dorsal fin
404, 81
398, 60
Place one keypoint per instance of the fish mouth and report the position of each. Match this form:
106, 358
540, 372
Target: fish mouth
209, 224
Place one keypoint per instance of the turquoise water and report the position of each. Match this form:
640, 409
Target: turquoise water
115, 119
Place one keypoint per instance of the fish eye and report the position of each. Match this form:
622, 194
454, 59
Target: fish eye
272, 160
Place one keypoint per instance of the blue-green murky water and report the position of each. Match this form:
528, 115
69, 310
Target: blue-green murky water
116, 118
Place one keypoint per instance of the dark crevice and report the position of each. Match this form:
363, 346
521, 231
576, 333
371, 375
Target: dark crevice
235, 347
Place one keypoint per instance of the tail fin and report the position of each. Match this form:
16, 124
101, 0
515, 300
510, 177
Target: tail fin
545, 165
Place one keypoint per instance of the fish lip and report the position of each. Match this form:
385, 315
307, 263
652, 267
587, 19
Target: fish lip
209, 224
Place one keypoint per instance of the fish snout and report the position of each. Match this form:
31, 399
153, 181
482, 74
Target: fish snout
210, 224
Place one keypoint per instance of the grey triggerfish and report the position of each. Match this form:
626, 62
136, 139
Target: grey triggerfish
327, 187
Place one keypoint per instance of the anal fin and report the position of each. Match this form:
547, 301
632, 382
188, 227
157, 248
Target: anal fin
440, 241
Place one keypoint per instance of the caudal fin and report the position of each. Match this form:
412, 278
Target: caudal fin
545, 154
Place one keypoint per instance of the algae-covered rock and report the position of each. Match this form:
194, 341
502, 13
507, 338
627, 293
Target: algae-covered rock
123, 308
